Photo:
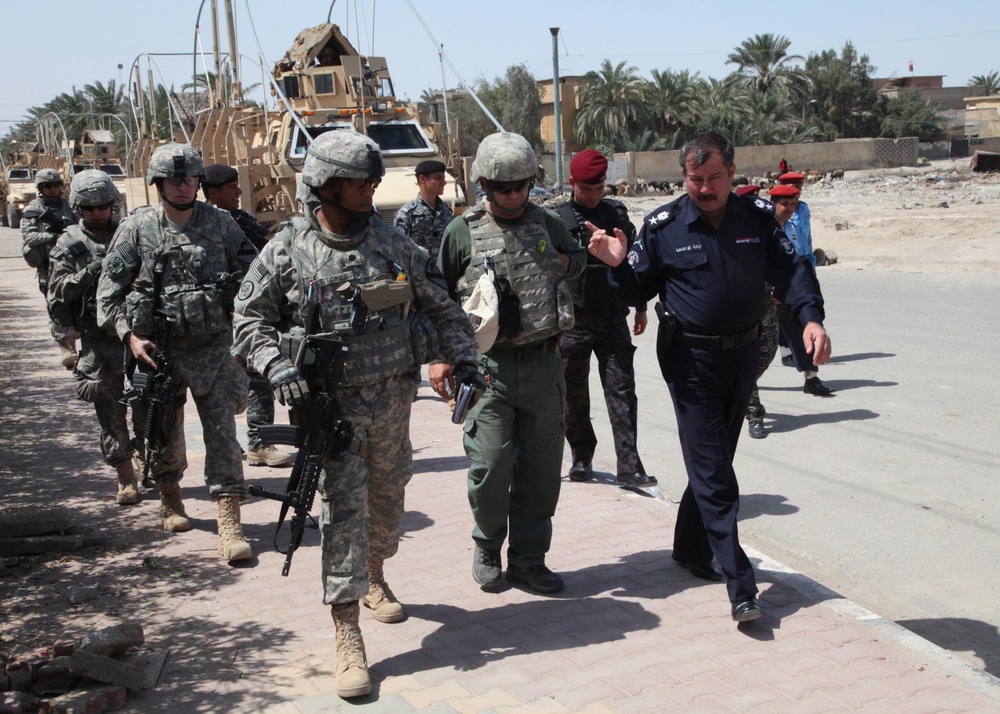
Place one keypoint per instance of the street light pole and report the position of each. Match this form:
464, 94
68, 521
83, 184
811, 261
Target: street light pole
556, 117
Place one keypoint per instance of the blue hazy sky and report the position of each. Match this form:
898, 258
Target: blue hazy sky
85, 41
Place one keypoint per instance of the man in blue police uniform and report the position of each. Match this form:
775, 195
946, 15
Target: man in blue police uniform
707, 256
601, 328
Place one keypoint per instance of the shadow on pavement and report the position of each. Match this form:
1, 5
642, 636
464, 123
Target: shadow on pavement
960, 634
781, 423
837, 359
764, 504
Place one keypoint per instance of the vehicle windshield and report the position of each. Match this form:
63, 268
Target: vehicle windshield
112, 169
397, 137
19, 174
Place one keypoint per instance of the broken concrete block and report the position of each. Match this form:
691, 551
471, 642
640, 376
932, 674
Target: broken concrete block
36, 545
152, 664
20, 680
87, 699
17, 703
114, 639
24, 522
104, 669
64, 647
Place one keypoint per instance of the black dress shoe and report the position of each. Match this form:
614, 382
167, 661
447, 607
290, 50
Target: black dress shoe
816, 388
756, 429
581, 471
636, 480
746, 610
705, 571
788, 361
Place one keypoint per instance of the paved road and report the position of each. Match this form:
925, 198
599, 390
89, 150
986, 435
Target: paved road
886, 492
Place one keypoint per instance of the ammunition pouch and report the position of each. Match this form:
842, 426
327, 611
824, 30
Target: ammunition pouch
424, 340
383, 294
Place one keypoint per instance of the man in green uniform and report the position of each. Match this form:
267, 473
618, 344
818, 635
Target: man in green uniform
514, 433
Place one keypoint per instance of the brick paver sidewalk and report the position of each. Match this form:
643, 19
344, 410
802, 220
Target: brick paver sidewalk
632, 632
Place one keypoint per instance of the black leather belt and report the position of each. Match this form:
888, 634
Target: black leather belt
717, 342
525, 353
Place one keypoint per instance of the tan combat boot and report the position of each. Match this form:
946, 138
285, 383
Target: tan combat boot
67, 350
172, 510
233, 545
268, 456
352, 667
128, 492
383, 604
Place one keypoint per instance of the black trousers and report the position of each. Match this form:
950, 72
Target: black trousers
710, 391
791, 331
609, 338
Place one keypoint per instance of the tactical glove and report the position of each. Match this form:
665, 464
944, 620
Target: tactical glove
289, 385
94, 267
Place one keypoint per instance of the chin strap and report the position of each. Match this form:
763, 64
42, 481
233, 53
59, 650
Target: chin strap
179, 206
355, 217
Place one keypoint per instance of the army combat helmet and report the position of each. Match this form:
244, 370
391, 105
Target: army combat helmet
175, 161
504, 157
48, 176
92, 188
339, 154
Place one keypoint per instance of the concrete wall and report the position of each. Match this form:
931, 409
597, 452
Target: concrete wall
757, 160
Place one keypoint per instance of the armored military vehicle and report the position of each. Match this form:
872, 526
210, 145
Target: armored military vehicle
325, 85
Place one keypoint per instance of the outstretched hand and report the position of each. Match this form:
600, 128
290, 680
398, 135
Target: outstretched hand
606, 247
817, 343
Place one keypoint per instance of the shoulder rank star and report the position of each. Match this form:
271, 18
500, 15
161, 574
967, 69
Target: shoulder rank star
661, 216
763, 205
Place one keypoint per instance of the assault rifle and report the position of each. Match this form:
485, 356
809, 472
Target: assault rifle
315, 432
151, 392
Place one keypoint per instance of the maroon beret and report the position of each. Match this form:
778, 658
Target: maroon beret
784, 191
744, 190
791, 176
589, 166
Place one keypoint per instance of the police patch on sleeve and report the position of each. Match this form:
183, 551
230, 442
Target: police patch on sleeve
786, 244
633, 258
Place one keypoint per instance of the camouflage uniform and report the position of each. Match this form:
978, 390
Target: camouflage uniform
208, 247
424, 224
363, 494
601, 328
768, 347
41, 226
99, 369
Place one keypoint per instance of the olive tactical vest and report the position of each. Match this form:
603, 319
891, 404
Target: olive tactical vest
530, 263
378, 347
82, 313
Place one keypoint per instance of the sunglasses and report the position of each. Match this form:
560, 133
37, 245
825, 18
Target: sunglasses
362, 182
186, 181
44, 186
91, 209
507, 186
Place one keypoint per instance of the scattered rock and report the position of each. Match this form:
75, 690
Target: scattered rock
841, 225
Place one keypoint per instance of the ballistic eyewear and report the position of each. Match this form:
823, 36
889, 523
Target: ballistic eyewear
356, 183
506, 187
91, 209
44, 186
186, 181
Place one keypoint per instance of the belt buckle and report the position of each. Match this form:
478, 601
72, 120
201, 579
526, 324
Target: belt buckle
727, 342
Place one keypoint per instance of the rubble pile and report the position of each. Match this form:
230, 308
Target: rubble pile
89, 674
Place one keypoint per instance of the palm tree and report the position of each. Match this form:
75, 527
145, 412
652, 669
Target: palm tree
611, 105
763, 62
991, 82
672, 99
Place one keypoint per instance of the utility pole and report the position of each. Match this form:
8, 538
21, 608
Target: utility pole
556, 117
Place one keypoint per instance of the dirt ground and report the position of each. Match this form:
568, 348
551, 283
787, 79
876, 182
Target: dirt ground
941, 217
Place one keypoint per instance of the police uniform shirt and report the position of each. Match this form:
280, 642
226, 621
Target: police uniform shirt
711, 279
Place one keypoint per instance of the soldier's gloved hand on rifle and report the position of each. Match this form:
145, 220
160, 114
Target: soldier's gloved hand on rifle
289, 385
94, 267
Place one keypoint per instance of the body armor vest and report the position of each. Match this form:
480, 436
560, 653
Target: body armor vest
378, 344
523, 254
82, 314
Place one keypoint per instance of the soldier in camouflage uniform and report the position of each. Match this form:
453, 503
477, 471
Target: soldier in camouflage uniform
768, 346
514, 434
425, 217
74, 264
45, 218
309, 277
202, 253
222, 190
601, 328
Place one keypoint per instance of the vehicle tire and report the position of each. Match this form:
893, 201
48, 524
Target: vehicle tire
14, 218
3, 219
